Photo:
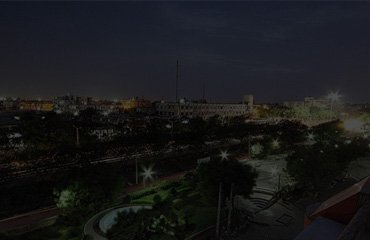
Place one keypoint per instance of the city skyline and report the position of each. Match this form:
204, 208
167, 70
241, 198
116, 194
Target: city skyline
275, 51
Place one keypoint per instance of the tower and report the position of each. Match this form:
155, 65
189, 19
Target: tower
204, 92
177, 79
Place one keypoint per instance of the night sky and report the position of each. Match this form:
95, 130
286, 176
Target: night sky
276, 51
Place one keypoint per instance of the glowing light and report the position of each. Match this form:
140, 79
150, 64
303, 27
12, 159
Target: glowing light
354, 125
275, 143
334, 96
274, 171
147, 173
311, 137
17, 118
76, 113
224, 155
168, 126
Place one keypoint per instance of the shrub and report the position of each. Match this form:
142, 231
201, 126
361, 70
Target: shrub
157, 199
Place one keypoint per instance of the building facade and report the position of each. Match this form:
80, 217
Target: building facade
204, 110
135, 105
316, 102
44, 106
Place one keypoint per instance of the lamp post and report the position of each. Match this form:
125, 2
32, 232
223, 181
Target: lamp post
136, 172
275, 143
147, 174
219, 211
224, 156
230, 206
249, 146
77, 135
333, 97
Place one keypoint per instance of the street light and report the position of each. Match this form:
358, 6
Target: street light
77, 135
311, 137
224, 155
275, 143
147, 173
333, 97
276, 173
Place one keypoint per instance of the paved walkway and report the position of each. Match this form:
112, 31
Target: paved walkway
279, 222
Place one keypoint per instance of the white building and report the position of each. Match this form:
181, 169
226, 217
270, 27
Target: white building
103, 134
310, 102
317, 102
204, 110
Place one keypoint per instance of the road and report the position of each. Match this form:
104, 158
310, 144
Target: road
53, 168
50, 169
28, 219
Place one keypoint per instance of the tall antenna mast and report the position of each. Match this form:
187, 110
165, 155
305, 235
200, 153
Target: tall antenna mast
204, 91
177, 78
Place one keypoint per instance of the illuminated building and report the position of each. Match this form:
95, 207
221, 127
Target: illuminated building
204, 110
135, 104
44, 106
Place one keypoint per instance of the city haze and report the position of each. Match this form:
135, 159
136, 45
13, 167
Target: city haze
277, 51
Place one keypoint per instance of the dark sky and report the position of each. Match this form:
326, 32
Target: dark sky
276, 51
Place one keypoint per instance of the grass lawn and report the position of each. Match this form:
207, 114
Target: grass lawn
149, 198
187, 204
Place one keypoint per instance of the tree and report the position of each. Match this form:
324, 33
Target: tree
314, 167
87, 193
226, 172
256, 150
198, 128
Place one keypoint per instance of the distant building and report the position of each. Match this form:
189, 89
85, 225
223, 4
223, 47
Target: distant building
32, 105
248, 99
135, 105
316, 102
310, 102
9, 104
67, 103
204, 110
103, 134
294, 104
